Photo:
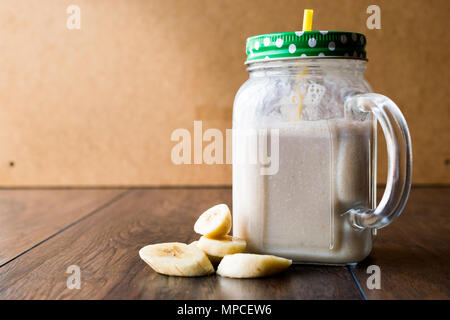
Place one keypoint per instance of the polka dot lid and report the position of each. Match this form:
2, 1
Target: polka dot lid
306, 44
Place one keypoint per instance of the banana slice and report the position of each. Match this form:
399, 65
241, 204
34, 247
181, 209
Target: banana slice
220, 247
214, 222
176, 259
214, 260
248, 265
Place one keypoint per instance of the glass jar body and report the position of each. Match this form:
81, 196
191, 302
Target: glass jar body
301, 160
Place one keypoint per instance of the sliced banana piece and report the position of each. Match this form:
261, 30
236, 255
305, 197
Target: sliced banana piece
214, 260
176, 259
248, 265
214, 222
220, 247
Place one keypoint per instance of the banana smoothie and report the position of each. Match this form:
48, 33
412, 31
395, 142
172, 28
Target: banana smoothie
299, 212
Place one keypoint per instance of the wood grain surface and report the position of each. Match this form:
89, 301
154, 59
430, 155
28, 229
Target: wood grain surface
28, 217
105, 247
412, 253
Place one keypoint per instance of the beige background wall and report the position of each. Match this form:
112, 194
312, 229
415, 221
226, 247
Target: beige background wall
97, 106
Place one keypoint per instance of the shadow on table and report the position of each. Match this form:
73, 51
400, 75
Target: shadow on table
298, 282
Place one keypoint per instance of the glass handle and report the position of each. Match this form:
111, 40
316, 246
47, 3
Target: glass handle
399, 156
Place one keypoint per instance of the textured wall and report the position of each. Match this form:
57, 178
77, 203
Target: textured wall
97, 106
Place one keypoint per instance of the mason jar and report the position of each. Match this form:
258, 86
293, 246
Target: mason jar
304, 149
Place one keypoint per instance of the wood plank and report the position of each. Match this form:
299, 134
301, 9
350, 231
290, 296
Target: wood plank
30, 216
414, 251
105, 247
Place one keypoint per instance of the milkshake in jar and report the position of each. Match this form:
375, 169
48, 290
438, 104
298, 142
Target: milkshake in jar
304, 149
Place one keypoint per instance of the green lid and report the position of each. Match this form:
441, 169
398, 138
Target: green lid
306, 44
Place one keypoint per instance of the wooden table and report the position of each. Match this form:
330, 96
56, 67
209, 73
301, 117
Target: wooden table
44, 231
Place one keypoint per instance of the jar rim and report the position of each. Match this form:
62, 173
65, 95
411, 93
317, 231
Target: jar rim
311, 62
306, 58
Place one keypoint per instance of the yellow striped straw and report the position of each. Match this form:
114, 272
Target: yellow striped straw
307, 19
307, 26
